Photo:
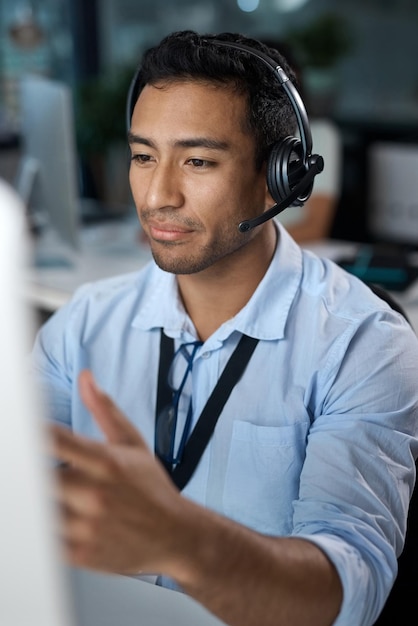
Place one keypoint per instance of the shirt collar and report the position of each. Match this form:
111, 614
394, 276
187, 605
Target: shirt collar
263, 317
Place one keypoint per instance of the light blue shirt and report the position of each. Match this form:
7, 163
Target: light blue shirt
317, 439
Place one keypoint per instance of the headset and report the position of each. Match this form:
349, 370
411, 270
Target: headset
291, 166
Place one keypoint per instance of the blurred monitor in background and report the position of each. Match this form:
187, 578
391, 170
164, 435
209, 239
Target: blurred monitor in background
47, 178
393, 193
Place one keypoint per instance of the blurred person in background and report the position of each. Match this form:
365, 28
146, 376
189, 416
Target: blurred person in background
313, 220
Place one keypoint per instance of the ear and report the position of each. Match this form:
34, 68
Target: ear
268, 200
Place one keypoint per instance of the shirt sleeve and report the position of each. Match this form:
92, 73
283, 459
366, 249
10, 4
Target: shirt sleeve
52, 361
366, 437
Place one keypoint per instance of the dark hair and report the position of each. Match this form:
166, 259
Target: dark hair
187, 55
286, 50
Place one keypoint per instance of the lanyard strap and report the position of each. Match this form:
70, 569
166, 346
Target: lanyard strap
206, 423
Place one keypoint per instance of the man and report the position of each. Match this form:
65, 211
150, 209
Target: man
296, 511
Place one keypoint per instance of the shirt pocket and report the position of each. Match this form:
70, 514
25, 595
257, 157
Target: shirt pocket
263, 473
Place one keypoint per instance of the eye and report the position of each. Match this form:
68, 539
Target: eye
200, 163
141, 158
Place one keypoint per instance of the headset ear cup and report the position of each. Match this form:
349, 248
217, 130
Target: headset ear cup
285, 169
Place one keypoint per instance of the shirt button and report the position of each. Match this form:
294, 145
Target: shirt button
205, 355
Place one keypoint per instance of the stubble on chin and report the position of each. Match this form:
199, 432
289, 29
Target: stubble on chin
176, 264
170, 257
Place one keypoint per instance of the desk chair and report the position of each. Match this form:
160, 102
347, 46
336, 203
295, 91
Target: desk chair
392, 302
403, 597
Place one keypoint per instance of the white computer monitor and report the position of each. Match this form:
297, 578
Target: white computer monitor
37, 587
32, 588
393, 192
47, 179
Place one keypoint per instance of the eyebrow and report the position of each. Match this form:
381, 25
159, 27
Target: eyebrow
195, 142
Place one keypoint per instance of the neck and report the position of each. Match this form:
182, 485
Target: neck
218, 293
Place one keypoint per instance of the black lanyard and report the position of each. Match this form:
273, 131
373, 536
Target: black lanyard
206, 423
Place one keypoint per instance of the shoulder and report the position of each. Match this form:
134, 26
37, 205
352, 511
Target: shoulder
108, 288
102, 301
344, 296
104, 292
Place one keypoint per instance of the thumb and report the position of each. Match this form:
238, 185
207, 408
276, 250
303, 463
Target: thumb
114, 425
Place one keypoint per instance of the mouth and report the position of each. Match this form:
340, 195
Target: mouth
167, 232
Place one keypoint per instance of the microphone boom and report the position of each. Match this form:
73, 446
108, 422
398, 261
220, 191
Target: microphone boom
316, 167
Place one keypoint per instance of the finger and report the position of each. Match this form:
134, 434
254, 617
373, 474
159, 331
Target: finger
78, 492
85, 454
112, 422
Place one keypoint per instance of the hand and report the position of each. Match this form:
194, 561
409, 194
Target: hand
118, 505
121, 513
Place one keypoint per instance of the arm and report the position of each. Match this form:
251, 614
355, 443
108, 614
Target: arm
316, 222
122, 513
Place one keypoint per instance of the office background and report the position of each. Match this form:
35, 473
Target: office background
365, 77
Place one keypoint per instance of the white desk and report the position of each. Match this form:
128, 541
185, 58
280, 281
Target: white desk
115, 248
108, 249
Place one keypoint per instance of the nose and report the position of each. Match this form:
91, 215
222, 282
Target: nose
161, 187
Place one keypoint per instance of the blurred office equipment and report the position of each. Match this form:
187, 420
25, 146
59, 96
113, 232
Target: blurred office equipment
32, 587
386, 265
389, 259
47, 177
393, 192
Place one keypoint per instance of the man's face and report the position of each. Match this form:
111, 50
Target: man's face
193, 175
